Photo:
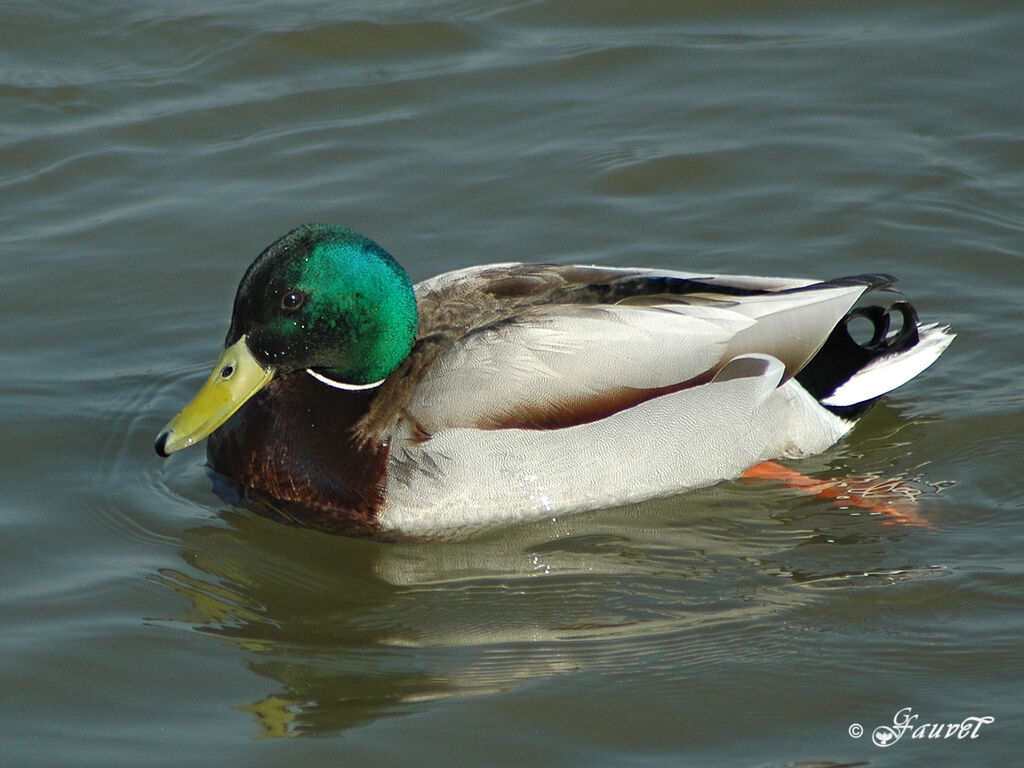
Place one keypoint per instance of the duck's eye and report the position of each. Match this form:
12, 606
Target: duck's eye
292, 300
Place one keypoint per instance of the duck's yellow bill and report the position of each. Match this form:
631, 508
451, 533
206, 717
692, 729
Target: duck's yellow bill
236, 377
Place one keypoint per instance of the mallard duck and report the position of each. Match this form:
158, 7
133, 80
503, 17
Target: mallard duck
350, 400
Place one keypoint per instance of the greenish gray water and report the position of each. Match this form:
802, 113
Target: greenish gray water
147, 153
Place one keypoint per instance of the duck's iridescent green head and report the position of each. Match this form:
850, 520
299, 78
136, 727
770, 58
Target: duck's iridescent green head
322, 299
326, 298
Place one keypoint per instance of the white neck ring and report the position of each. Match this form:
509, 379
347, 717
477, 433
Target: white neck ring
340, 384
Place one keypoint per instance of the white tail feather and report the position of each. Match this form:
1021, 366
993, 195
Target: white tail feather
891, 371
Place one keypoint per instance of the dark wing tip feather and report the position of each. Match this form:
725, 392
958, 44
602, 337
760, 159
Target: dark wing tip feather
631, 287
872, 282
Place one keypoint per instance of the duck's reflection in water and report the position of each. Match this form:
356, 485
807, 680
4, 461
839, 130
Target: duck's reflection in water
353, 630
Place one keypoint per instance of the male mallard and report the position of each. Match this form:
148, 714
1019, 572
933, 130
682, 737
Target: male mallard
348, 399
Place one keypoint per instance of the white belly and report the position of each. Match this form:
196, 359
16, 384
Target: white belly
688, 439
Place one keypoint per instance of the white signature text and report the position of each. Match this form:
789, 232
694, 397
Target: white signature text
906, 722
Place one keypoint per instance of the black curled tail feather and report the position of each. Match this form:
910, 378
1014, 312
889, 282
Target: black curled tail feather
841, 357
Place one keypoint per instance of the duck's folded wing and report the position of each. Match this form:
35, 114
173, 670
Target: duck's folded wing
554, 366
